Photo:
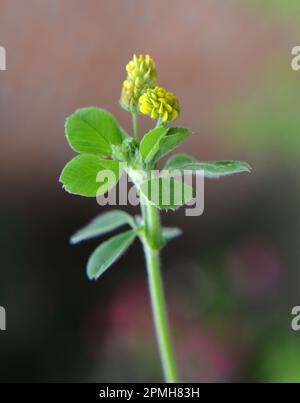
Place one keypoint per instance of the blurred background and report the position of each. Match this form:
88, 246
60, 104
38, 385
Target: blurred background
233, 277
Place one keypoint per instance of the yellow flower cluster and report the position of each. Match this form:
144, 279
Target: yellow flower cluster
139, 94
141, 75
142, 69
159, 104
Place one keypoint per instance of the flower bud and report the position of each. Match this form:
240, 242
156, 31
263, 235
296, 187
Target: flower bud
142, 68
141, 75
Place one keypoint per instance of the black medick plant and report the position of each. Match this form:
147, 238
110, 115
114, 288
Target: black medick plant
105, 148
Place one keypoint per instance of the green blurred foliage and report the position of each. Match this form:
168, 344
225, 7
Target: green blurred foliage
268, 119
280, 361
285, 4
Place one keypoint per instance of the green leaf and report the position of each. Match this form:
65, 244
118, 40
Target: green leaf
218, 169
102, 224
87, 175
93, 131
170, 233
166, 193
214, 169
107, 253
178, 160
108, 176
150, 143
173, 139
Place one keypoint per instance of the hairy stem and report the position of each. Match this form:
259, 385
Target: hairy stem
159, 310
135, 118
152, 241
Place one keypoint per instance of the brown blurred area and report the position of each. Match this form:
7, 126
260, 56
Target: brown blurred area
62, 55
67, 54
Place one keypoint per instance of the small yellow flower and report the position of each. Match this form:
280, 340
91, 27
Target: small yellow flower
141, 75
141, 71
159, 104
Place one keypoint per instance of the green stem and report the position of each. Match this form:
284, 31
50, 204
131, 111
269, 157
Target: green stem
153, 228
158, 123
152, 240
135, 117
159, 310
